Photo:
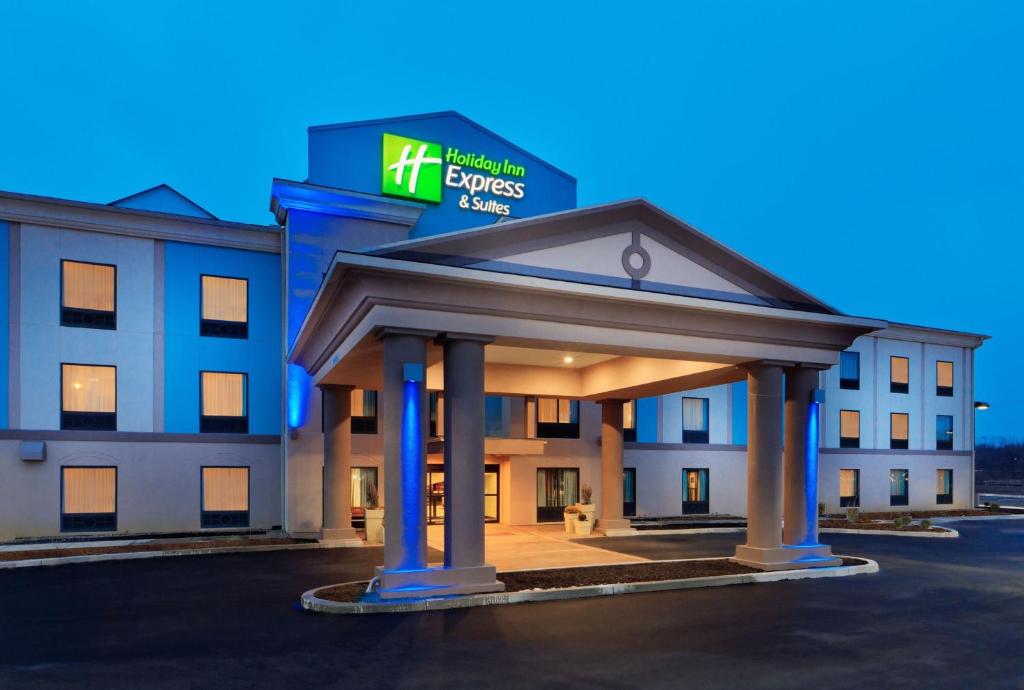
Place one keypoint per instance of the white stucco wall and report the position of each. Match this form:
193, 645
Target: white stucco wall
874, 478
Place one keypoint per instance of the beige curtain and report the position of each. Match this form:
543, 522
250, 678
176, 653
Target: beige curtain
225, 299
225, 488
547, 410
223, 394
89, 388
849, 424
944, 374
899, 370
88, 286
900, 422
628, 417
847, 483
90, 490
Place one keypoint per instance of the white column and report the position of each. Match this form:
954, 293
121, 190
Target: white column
611, 521
338, 465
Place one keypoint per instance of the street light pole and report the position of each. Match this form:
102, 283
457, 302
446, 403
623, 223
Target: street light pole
978, 406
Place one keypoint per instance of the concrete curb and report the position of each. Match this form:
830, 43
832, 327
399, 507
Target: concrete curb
948, 534
968, 518
699, 530
140, 555
311, 602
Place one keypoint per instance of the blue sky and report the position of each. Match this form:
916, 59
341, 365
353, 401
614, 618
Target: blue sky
870, 152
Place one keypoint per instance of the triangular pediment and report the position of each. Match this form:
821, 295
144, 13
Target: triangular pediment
630, 244
163, 199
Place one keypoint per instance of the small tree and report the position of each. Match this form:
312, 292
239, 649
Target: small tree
586, 493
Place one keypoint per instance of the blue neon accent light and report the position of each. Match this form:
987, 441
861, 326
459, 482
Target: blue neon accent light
811, 472
412, 476
298, 396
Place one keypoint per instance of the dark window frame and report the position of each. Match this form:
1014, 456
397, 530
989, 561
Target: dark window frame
897, 499
87, 421
849, 441
557, 429
854, 500
696, 507
80, 522
225, 519
894, 386
359, 522
899, 443
945, 499
215, 328
944, 391
692, 435
849, 384
219, 424
947, 443
76, 317
629, 509
554, 513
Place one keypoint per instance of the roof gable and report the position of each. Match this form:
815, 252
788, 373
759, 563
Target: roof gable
164, 199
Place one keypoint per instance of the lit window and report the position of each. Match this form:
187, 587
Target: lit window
849, 488
944, 379
558, 418
88, 499
88, 295
899, 487
225, 312
629, 421
849, 429
849, 370
899, 375
364, 412
899, 430
225, 497
695, 420
695, 491
224, 408
943, 486
88, 397
943, 432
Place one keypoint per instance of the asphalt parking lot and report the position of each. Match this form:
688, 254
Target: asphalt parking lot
941, 613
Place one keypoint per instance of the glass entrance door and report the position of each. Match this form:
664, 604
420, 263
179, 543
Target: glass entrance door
695, 491
628, 491
435, 494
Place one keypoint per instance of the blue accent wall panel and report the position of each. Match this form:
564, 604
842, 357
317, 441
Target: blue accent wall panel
647, 420
5, 320
739, 412
186, 353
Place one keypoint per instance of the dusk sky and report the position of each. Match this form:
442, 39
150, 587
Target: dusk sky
871, 153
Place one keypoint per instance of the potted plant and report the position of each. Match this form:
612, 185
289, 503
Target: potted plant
374, 516
585, 506
569, 514
584, 525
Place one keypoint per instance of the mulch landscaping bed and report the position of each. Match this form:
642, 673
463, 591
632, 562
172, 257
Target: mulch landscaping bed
887, 526
140, 548
558, 578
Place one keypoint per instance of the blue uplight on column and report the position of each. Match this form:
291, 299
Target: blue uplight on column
811, 469
412, 475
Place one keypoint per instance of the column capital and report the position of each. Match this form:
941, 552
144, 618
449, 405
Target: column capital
773, 363
805, 366
448, 336
382, 332
335, 386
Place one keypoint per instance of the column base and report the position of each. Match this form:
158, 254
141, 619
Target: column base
614, 528
437, 582
786, 557
342, 536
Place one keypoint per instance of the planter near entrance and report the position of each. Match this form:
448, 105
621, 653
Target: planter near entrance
584, 525
571, 516
588, 509
375, 525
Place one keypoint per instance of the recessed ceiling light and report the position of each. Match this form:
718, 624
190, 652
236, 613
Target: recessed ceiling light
567, 359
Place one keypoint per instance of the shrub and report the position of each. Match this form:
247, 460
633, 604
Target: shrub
572, 510
992, 506
586, 493
927, 524
583, 517
902, 521
822, 508
853, 514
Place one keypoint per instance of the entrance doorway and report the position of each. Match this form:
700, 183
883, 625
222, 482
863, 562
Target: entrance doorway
695, 491
628, 491
435, 494
556, 488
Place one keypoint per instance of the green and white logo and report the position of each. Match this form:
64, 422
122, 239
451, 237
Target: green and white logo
411, 168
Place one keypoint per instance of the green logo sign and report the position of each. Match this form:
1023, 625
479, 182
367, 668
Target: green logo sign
411, 168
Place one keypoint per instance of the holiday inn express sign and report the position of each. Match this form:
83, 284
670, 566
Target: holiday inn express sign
420, 170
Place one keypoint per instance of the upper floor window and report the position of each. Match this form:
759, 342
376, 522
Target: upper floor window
944, 379
629, 421
436, 402
497, 412
88, 295
225, 307
849, 429
695, 420
88, 397
364, 412
849, 370
558, 418
899, 430
224, 404
899, 375
943, 432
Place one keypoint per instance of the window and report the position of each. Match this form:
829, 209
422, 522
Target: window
225, 497
556, 489
629, 421
899, 430
943, 487
88, 499
88, 295
436, 415
364, 482
628, 491
849, 488
944, 379
943, 432
364, 412
899, 375
558, 418
496, 416
223, 402
225, 312
88, 397
695, 491
695, 420
849, 429
899, 487
849, 370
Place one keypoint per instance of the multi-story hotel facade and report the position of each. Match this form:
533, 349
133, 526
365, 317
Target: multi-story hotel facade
169, 372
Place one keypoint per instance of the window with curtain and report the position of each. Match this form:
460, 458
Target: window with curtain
225, 500
849, 429
944, 379
225, 307
364, 480
223, 403
558, 418
695, 420
899, 375
849, 488
364, 412
849, 370
943, 487
556, 488
899, 430
943, 432
88, 397
88, 295
899, 487
629, 421
88, 499
695, 491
